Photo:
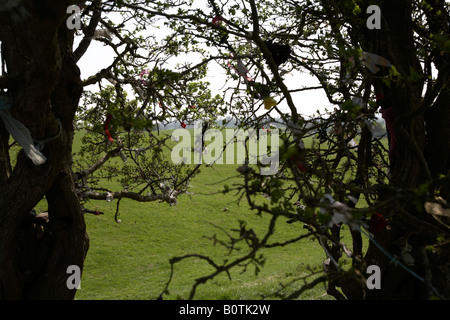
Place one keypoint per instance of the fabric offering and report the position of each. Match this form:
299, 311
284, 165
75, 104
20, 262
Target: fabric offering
21, 134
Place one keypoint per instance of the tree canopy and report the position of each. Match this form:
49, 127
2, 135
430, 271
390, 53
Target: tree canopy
370, 59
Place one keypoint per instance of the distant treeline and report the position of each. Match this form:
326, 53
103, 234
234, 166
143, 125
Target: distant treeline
379, 128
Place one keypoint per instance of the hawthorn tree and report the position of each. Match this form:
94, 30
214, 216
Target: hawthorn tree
41, 96
162, 54
389, 60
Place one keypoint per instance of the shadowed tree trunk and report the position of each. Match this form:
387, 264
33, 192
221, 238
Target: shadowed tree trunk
421, 153
44, 87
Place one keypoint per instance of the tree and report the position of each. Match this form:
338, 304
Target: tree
397, 65
42, 96
316, 185
43, 84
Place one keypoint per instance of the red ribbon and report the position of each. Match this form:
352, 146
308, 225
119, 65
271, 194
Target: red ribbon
377, 222
379, 96
301, 167
217, 20
106, 127
298, 163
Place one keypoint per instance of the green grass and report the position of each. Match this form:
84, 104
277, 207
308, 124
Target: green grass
130, 260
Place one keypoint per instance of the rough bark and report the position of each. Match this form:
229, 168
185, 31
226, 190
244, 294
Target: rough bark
35, 254
421, 153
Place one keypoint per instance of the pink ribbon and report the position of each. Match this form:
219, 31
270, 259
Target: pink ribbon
240, 69
144, 72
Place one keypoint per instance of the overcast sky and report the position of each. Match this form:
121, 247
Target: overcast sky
308, 102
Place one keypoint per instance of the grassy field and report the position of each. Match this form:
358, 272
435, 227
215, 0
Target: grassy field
130, 260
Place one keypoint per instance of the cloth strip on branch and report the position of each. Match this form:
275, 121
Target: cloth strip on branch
21, 134
217, 20
240, 69
371, 61
144, 72
106, 127
269, 102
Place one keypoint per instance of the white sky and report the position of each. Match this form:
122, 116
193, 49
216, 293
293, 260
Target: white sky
308, 102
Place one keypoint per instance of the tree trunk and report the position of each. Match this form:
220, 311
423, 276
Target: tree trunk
421, 152
44, 88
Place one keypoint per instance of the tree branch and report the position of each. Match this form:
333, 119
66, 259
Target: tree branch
7, 81
83, 174
104, 73
90, 30
169, 197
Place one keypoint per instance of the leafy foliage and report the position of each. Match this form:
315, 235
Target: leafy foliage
327, 40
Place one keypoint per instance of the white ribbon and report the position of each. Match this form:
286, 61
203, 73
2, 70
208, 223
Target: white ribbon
21, 134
